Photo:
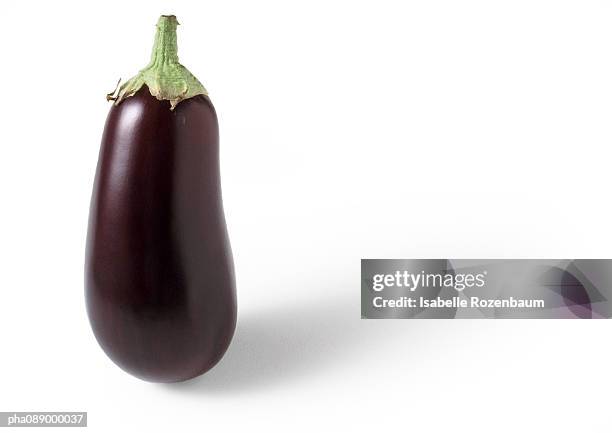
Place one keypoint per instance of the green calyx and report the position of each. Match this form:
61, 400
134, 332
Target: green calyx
165, 77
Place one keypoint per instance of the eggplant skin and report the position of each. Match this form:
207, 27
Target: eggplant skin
159, 275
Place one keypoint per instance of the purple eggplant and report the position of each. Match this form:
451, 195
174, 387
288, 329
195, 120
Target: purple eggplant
159, 274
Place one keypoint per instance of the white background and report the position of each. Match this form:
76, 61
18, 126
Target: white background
349, 129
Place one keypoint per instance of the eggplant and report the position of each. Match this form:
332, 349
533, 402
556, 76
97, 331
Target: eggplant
159, 274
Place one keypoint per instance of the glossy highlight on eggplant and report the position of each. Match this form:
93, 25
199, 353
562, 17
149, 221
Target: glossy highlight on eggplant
159, 275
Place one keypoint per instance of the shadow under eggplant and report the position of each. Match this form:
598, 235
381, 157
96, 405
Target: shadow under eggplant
289, 341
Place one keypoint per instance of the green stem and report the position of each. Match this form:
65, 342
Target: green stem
164, 76
165, 48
